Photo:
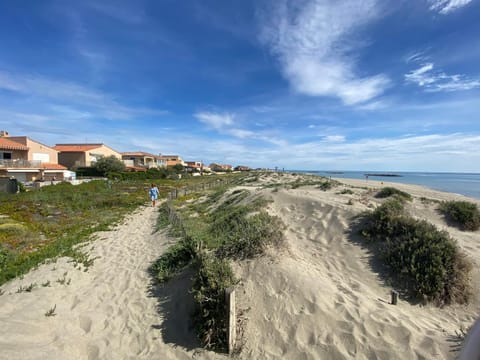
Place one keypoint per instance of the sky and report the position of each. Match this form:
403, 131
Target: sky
391, 85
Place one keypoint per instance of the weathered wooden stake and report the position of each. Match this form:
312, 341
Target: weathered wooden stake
394, 297
232, 318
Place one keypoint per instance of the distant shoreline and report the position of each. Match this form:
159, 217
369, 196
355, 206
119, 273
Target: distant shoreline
382, 174
467, 184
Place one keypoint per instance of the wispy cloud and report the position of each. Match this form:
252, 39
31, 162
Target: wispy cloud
432, 80
226, 123
66, 94
418, 56
124, 12
314, 41
447, 6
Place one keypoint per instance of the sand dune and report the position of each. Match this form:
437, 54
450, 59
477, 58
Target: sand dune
320, 297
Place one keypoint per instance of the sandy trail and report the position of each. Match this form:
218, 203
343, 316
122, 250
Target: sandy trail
110, 311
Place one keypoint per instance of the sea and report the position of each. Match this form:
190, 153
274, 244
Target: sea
467, 184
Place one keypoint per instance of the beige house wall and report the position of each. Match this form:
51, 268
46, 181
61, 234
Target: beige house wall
86, 158
37, 151
102, 151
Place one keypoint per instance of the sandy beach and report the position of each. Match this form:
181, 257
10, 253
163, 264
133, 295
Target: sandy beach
317, 298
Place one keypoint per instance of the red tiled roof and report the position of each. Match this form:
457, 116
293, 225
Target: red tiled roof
48, 166
76, 147
7, 144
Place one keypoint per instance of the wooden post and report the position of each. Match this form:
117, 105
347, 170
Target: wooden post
394, 297
232, 318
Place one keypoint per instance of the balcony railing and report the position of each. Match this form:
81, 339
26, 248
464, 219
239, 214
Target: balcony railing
20, 163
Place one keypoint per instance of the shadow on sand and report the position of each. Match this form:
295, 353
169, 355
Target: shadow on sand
175, 304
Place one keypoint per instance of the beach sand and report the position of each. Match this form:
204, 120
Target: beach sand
319, 297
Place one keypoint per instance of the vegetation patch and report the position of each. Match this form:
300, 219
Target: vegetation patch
327, 185
174, 259
464, 214
423, 261
212, 230
50, 221
391, 191
213, 277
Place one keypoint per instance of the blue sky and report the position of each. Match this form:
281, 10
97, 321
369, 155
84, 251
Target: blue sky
299, 84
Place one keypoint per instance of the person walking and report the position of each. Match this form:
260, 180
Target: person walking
153, 192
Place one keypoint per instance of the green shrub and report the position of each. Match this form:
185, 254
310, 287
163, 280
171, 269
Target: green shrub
174, 259
214, 276
465, 214
391, 191
382, 221
250, 236
5, 256
346, 191
327, 185
422, 260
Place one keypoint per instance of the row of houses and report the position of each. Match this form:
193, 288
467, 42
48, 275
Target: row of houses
29, 160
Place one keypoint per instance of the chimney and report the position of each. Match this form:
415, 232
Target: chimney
3, 133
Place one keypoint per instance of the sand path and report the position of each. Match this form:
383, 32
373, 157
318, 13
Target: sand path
110, 311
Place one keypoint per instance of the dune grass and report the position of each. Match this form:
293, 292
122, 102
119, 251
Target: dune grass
463, 214
391, 191
421, 260
214, 229
49, 222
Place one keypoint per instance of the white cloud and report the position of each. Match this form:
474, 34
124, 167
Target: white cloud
215, 120
314, 42
334, 138
447, 6
241, 133
432, 80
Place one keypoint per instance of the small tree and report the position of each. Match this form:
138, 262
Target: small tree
109, 164
178, 168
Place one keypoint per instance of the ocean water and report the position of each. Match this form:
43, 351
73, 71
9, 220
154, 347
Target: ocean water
467, 184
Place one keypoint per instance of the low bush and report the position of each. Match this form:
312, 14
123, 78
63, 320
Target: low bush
327, 185
422, 260
213, 277
250, 236
463, 213
391, 191
174, 259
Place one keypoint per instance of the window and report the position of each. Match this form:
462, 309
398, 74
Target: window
5, 156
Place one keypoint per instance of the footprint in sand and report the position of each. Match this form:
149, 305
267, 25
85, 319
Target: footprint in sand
92, 352
85, 323
76, 301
